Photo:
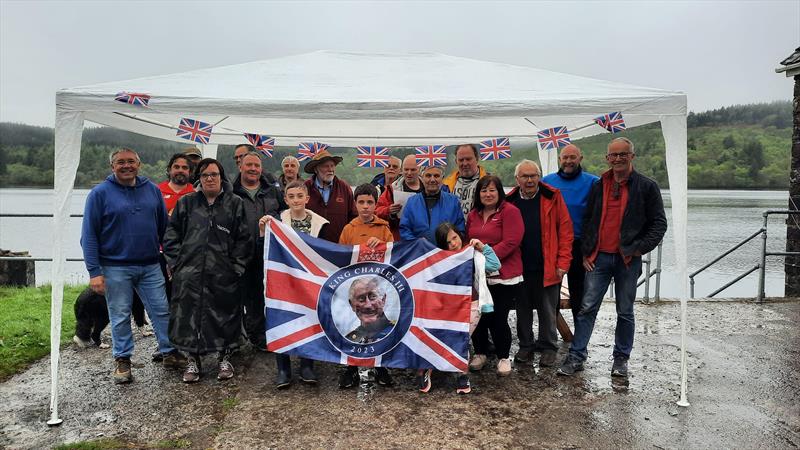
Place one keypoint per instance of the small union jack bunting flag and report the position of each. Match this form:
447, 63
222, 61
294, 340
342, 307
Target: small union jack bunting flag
264, 144
553, 138
431, 155
612, 122
133, 98
372, 156
194, 130
497, 148
307, 150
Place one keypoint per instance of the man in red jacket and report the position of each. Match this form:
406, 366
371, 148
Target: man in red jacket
178, 184
329, 196
546, 256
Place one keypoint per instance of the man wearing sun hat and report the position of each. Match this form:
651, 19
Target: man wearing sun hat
329, 196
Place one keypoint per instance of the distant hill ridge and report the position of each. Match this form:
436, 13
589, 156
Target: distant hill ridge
740, 146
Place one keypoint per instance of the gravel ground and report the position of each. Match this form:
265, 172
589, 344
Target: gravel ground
744, 389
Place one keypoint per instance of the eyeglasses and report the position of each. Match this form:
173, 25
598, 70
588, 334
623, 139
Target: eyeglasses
529, 177
123, 162
209, 176
623, 155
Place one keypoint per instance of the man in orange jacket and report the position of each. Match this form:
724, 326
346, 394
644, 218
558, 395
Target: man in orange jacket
546, 256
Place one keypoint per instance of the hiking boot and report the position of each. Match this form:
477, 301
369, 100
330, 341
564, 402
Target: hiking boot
504, 367
523, 356
307, 374
570, 365
156, 356
548, 359
173, 360
349, 378
192, 372
284, 378
462, 384
424, 380
477, 362
620, 367
225, 368
122, 371
383, 377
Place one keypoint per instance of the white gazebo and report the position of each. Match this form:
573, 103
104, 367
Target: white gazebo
350, 99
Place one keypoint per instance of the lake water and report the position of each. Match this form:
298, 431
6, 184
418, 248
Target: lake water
718, 220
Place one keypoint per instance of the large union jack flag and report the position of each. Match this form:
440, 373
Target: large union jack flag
133, 98
497, 148
372, 156
612, 122
426, 296
431, 155
553, 138
307, 150
194, 130
264, 144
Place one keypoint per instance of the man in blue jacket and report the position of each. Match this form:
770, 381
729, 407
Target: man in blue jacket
123, 222
574, 185
426, 210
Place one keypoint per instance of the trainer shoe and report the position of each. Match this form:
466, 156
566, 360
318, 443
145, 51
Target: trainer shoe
462, 384
503, 367
548, 359
424, 380
225, 368
477, 362
192, 372
122, 371
383, 377
349, 378
173, 360
570, 365
620, 367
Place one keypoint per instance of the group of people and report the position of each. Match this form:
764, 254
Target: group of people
193, 252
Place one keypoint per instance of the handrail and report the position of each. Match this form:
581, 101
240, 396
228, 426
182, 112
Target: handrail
761, 267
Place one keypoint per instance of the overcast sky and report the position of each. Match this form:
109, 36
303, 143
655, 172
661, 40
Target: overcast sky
718, 52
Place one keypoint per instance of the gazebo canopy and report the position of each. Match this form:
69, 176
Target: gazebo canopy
349, 99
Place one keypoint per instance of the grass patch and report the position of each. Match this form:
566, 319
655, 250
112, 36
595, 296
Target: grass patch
25, 325
172, 443
98, 444
230, 403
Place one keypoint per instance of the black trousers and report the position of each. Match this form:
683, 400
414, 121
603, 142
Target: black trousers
251, 288
545, 301
496, 322
575, 277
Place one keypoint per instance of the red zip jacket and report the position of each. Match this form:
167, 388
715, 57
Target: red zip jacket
339, 211
557, 232
503, 231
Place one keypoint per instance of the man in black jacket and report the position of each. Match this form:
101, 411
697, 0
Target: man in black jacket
261, 198
624, 219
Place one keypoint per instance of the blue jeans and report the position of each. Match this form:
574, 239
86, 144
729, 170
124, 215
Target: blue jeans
149, 284
606, 267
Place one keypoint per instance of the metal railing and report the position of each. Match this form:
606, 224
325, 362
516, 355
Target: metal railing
762, 264
646, 275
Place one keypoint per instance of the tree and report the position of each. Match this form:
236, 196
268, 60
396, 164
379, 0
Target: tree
729, 141
753, 155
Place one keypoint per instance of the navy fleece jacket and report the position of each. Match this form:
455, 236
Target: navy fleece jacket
122, 225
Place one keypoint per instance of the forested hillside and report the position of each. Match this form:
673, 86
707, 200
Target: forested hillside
737, 147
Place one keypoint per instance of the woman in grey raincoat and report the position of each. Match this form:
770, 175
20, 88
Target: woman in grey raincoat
207, 246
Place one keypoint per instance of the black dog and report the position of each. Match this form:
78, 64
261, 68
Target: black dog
91, 317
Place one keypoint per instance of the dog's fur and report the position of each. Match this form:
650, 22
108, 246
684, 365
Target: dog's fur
91, 316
